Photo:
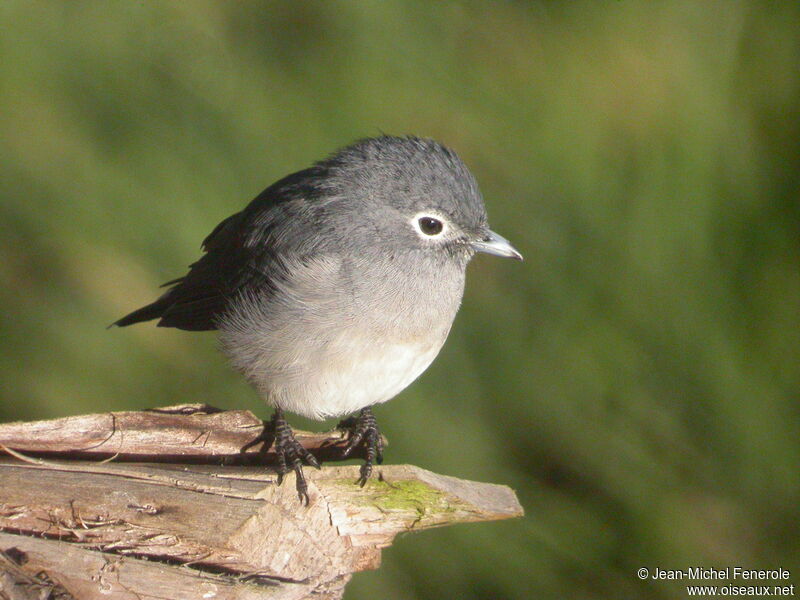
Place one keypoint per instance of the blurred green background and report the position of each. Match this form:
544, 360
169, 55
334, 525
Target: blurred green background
636, 379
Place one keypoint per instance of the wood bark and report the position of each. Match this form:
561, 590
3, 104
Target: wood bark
195, 518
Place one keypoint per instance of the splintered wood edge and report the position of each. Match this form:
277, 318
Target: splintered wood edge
33, 565
393, 489
184, 433
351, 523
191, 444
401, 486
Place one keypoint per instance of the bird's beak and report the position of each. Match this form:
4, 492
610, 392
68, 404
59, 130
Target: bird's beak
495, 244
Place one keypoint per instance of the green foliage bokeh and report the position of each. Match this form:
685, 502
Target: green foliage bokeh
636, 379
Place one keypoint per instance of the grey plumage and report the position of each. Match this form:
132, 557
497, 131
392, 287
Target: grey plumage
337, 286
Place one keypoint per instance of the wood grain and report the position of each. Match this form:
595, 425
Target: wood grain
184, 433
193, 527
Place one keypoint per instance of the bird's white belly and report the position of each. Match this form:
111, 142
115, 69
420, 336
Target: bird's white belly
320, 347
342, 386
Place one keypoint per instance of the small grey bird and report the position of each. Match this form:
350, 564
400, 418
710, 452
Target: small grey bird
336, 287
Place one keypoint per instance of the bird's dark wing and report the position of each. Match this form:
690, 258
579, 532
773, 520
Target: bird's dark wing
239, 254
195, 301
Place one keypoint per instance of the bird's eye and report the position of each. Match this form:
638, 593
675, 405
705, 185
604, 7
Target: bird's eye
430, 226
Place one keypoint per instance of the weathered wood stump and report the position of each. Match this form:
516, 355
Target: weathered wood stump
164, 504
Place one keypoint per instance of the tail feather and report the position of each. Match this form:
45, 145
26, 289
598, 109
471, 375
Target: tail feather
146, 313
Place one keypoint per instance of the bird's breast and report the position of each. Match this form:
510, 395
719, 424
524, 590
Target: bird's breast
337, 339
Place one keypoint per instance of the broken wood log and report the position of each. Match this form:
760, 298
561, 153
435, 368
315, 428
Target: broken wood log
194, 521
185, 433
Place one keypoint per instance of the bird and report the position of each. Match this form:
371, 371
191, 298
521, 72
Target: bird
337, 286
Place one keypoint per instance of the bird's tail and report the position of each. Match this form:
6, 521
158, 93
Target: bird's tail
146, 313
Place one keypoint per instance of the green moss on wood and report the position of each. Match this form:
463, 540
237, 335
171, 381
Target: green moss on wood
403, 495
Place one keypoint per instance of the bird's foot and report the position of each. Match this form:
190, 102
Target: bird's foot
364, 430
291, 455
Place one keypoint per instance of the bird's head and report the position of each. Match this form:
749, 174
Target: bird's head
410, 195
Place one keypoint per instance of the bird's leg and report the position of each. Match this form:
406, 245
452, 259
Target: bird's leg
364, 429
291, 454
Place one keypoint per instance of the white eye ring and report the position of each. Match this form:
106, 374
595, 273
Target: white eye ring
429, 226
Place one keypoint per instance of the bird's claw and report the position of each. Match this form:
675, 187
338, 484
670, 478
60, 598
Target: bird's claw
291, 456
364, 431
